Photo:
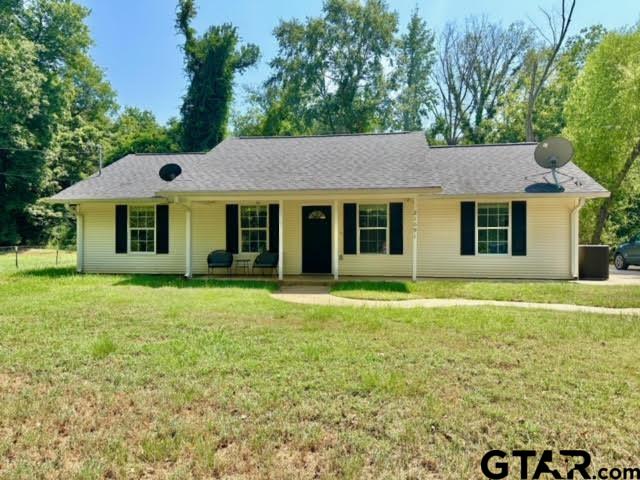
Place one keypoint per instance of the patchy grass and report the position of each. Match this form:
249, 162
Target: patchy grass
34, 258
121, 376
102, 347
619, 296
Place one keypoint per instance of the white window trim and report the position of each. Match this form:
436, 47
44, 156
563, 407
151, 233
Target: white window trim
155, 224
240, 250
508, 254
372, 228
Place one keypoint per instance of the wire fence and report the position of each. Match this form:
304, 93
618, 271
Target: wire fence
20, 256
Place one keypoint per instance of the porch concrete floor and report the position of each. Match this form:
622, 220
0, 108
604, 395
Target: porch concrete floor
627, 277
304, 279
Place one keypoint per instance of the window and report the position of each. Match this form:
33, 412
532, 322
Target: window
493, 228
253, 228
317, 215
142, 229
372, 222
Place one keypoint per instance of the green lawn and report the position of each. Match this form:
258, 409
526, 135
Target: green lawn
619, 296
157, 377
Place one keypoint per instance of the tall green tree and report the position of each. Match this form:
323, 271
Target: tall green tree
211, 61
138, 131
603, 119
414, 64
329, 75
50, 91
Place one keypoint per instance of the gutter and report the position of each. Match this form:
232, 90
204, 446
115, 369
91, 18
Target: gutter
574, 217
79, 240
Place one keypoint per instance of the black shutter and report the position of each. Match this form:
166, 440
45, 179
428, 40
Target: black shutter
349, 229
232, 228
274, 214
121, 229
467, 228
519, 228
395, 229
162, 228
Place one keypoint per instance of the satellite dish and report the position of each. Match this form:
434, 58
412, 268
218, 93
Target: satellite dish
169, 172
554, 152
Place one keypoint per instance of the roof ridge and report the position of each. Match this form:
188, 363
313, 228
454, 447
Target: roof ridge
291, 137
508, 144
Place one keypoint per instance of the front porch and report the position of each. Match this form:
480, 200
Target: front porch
318, 239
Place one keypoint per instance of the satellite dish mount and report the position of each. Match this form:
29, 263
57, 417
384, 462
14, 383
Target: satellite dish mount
552, 154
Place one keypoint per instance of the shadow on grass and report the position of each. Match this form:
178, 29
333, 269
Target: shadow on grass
396, 287
161, 281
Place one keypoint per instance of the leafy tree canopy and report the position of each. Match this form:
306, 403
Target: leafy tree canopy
603, 118
211, 61
54, 102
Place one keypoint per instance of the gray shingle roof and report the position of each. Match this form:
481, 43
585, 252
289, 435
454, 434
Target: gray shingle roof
338, 162
133, 176
500, 169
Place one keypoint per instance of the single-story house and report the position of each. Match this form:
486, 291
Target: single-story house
345, 205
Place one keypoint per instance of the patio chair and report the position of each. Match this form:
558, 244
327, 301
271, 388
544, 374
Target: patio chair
219, 259
266, 260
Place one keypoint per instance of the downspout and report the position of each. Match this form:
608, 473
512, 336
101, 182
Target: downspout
575, 238
79, 240
188, 264
414, 246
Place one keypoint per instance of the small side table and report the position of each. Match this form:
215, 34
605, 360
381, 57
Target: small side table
244, 263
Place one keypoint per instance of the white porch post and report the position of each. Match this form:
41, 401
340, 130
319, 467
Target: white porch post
187, 254
280, 240
336, 241
414, 250
79, 240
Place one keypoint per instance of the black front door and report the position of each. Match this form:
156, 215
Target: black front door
316, 239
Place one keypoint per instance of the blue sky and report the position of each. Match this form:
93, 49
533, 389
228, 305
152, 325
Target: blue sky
137, 46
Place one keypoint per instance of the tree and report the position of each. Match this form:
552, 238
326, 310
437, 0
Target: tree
450, 79
603, 118
414, 64
541, 59
329, 75
137, 131
52, 98
475, 68
509, 125
211, 62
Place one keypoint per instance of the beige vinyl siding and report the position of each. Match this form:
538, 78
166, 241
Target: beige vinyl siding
379, 264
292, 236
548, 242
209, 233
366, 264
99, 244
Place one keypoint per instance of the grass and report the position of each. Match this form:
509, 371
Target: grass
618, 296
122, 376
34, 258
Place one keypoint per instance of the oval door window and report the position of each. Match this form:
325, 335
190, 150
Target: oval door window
317, 215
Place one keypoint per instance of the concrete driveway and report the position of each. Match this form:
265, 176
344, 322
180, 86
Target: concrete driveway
618, 277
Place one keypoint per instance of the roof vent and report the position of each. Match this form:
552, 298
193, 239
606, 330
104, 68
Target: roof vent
169, 172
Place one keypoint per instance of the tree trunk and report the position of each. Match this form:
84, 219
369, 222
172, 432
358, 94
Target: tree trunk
530, 136
603, 212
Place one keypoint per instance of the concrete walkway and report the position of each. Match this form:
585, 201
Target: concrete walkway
319, 295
